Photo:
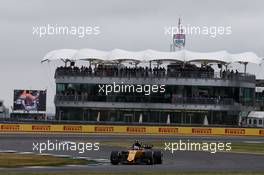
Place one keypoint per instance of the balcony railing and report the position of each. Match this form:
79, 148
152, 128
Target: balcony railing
140, 99
157, 74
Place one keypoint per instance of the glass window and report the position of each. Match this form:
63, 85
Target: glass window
248, 95
60, 87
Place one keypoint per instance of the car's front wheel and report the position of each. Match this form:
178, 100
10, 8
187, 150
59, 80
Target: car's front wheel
149, 157
157, 157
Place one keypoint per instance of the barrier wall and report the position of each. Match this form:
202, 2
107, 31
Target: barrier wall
131, 129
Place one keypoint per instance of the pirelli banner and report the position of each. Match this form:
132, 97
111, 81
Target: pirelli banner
131, 129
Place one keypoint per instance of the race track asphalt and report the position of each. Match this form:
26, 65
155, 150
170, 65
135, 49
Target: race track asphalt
178, 161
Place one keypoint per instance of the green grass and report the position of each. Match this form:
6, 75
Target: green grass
248, 147
13, 160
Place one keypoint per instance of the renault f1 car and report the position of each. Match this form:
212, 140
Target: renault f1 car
137, 154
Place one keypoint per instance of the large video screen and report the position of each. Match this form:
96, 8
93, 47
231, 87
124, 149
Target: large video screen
30, 100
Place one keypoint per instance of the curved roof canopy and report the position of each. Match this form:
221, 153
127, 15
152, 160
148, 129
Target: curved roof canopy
118, 55
123, 55
220, 56
256, 114
62, 54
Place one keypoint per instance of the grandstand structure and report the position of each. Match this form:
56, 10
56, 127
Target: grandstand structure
260, 94
200, 88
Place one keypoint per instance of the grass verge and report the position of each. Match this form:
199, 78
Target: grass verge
248, 147
13, 160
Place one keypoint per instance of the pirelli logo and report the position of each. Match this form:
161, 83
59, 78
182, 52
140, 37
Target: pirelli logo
8, 127
261, 132
41, 127
235, 131
168, 130
201, 130
103, 129
136, 129
72, 128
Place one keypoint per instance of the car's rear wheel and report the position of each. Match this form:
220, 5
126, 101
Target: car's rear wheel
157, 157
149, 157
114, 158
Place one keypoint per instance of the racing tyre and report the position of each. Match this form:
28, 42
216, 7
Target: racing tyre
149, 157
157, 157
114, 158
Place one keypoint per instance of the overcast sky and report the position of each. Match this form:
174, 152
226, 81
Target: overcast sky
126, 24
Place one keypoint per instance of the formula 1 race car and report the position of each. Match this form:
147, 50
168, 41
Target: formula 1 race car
137, 154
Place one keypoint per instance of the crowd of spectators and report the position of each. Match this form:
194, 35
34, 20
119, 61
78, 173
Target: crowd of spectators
229, 74
112, 71
185, 71
190, 70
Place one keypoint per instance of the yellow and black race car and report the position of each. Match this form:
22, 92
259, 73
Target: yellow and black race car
137, 154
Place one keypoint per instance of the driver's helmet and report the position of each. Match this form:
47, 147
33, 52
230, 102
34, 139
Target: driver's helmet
136, 145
